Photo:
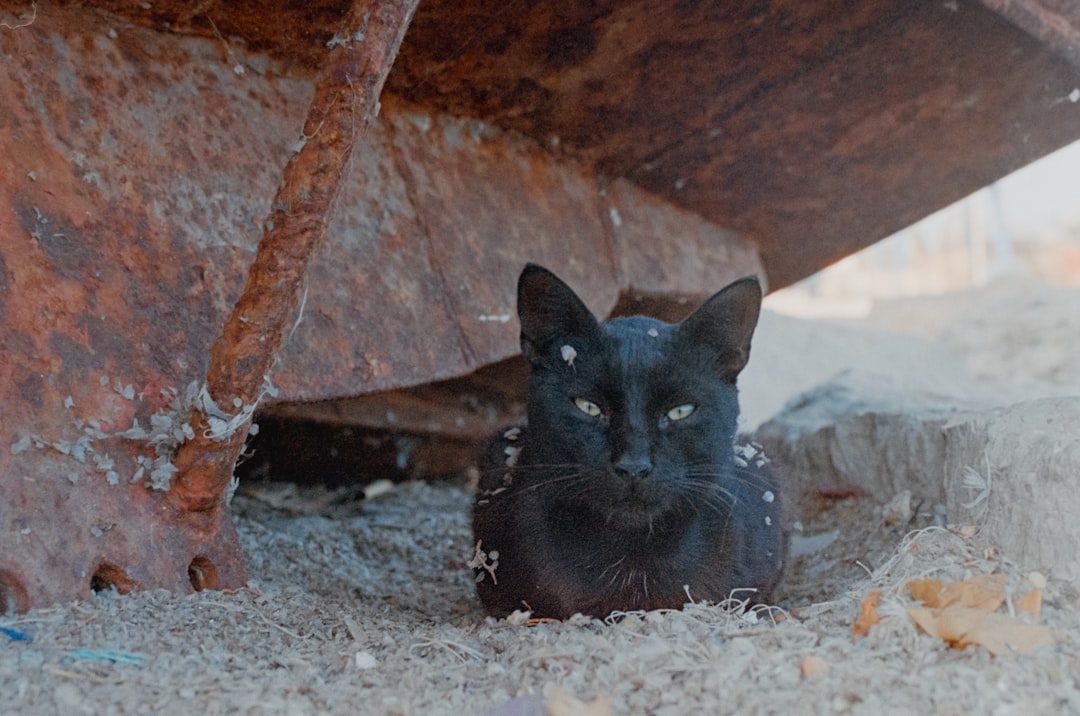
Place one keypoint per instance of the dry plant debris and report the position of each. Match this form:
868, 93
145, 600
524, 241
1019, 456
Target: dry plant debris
367, 607
966, 613
868, 615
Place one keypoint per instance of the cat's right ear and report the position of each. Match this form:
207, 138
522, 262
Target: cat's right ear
549, 311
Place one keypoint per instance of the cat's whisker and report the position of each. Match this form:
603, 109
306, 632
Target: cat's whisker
562, 483
729, 473
707, 488
614, 575
709, 495
542, 470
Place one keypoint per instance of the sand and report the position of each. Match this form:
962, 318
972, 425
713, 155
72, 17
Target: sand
361, 606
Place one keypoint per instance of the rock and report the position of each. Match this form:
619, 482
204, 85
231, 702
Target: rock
1008, 470
1012, 471
864, 430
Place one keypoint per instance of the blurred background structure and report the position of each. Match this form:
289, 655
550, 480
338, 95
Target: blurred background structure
1026, 224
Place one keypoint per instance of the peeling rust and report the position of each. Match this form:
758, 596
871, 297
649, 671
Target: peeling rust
243, 356
123, 241
1056, 24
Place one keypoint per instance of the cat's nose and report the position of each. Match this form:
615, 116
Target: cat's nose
633, 466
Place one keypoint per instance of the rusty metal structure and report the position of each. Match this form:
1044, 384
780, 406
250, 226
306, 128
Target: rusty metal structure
209, 207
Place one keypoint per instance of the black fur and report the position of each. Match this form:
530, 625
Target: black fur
636, 507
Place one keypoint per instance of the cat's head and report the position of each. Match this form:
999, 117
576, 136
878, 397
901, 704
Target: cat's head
636, 417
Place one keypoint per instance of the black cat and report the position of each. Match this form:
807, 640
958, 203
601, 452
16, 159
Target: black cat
625, 491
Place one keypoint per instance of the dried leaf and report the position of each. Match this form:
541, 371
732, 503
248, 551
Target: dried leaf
984, 591
926, 619
1030, 603
960, 627
868, 615
927, 591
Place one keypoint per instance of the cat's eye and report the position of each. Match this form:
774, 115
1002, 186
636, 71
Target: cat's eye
587, 406
680, 411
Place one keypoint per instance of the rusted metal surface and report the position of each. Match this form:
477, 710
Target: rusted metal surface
1054, 23
812, 128
125, 238
118, 259
296, 33
116, 267
345, 102
646, 152
441, 216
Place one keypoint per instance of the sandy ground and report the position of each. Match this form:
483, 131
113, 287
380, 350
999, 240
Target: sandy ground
361, 606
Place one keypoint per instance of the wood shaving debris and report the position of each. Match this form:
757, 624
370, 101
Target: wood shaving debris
519, 617
750, 453
481, 560
512, 453
377, 489
364, 660
568, 354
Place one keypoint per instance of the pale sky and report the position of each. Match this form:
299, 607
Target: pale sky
1045, 194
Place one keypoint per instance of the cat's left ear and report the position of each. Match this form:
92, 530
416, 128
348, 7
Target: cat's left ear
725, 324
